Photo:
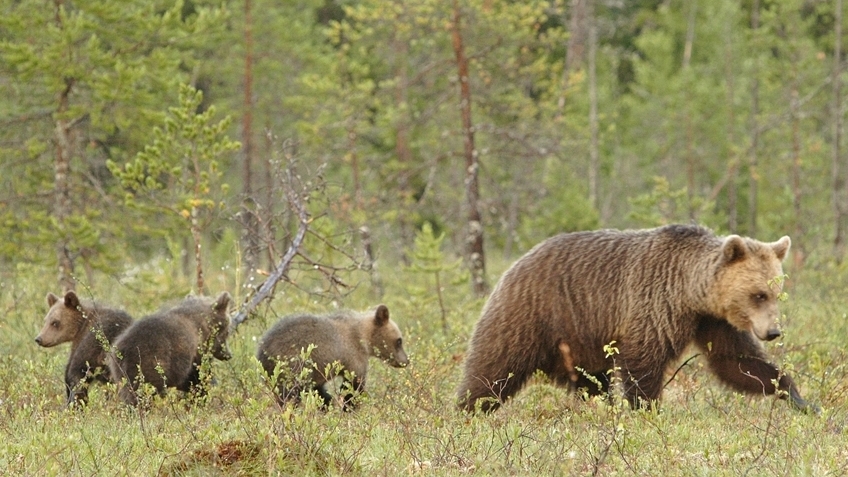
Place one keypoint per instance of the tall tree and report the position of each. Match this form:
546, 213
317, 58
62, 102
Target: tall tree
90, 81
475, 254
251, 232
753, 160
839, 193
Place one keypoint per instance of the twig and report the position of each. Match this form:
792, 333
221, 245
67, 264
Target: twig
280, 271
679, 368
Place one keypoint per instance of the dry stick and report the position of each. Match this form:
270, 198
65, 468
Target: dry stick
269, 284
679, 368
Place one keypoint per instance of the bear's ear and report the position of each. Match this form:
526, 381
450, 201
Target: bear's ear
71, 300
381, 315
733, 249
222, 302
781, 247
51, 299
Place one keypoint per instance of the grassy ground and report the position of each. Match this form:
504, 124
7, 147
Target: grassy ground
407, 424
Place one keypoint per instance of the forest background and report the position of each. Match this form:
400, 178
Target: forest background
154, 149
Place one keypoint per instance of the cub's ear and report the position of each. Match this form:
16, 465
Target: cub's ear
781, 247
381, 315
733, 249
51, 299
71, 300
222, 302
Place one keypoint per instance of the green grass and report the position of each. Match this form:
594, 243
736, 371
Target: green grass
407, 424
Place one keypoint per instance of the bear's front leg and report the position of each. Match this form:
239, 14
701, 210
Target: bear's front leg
740, 362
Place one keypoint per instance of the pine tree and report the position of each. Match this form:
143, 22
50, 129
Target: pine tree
179, 172
87, 78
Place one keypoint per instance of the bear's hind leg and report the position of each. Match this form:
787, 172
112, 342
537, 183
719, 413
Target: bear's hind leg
641, 375
739, 361
488, 394
592, 384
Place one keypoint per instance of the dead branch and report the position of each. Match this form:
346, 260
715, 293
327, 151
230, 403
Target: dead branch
282, 267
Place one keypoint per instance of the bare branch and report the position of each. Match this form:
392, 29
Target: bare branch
282, 268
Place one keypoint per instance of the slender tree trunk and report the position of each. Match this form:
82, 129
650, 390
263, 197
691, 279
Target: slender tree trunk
594, 148
251, 229
198, 256
840, 195
690, 128
474, 240
402, 149
62, 191
267, 222
574, 47
753, 174
798, 247
354, 167
61, 177
732, 157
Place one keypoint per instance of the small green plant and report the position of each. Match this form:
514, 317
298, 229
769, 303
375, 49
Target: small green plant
428, 260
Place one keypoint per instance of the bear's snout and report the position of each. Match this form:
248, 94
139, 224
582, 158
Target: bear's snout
400, 360
773, 334
38, 340
224, 354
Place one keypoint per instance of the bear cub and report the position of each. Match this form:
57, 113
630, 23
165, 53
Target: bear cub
344, 337
90, 327
166, 348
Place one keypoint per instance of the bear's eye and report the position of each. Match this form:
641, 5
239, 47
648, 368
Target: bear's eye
54, 324
399, 342
760, 297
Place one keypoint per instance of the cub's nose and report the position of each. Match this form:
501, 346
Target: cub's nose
38, 340
773, 334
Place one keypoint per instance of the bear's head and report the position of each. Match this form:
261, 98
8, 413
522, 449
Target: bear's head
63, 322
219, 323
748, 283
386, 340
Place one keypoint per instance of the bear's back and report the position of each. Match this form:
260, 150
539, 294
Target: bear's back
112, 322
292, 333
160, 332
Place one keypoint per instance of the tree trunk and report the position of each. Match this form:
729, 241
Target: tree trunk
474, 240
798, 248
402, 149
574, 47
61, 178
62, 191
594, 153
755, 133
732, 157
198, 256
690, 128
840, 195
250, 222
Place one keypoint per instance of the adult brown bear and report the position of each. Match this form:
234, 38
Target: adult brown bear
653, 292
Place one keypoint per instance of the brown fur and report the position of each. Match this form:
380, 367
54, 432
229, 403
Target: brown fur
653, 292
174, 340
345, 337
85, 324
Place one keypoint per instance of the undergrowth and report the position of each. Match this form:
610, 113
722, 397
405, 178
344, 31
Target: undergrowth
406, 422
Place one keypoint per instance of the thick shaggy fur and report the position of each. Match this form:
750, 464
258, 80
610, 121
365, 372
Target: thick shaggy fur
345, 337
90, 328
166, 349
653, 292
